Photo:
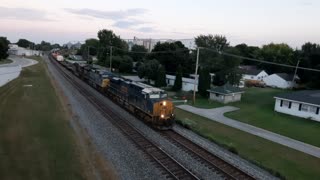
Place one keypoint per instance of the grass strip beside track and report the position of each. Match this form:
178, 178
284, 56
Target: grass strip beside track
36, 141
288, 162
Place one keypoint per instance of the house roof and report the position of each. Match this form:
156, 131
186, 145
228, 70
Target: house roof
226, 89
250, 70
285, 76
307, 96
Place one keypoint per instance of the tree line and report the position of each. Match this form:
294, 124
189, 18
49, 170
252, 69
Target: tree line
175, 59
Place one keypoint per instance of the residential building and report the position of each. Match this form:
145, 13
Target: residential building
20, 51
187, 83
305, 104
226, 93
252, 73
281, 80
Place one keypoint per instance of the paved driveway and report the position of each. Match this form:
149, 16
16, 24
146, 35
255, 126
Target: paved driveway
216, 114
10, 71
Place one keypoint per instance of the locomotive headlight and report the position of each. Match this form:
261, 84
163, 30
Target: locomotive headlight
162, 116
164, 103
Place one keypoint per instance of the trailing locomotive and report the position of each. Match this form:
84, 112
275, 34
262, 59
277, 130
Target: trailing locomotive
148, 103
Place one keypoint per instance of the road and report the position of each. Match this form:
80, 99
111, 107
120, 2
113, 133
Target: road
217, 114
10, 71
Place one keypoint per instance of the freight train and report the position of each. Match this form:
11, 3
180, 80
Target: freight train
148, 103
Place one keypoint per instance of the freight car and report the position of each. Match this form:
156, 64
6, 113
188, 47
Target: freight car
146, 102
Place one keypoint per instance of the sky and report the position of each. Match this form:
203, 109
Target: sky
254, 22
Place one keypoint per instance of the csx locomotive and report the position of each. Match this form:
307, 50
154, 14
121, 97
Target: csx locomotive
148, 103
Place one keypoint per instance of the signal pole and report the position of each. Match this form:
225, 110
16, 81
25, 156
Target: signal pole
195, 77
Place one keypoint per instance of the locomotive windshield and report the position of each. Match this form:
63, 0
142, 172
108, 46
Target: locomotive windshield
158, 95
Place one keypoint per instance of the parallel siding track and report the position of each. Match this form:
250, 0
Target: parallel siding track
213, 162
169, 166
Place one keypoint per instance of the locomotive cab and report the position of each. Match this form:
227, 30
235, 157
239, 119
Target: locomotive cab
162, 108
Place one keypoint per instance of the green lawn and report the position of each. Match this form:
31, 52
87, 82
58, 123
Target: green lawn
288, 162
5, 61
257, 108
36, 141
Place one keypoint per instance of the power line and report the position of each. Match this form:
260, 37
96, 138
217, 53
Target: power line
217, 51
259, 60
154, 52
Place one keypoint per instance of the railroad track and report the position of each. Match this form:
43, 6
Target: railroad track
213, 162
171, 168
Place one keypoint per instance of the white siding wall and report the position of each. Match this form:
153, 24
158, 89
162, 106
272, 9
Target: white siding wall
294, 110
276, 81
187, 83
259, 76
225, 98
262, 75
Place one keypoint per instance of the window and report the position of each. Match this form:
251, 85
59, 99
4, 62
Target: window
285, 103
304, 107
313, 109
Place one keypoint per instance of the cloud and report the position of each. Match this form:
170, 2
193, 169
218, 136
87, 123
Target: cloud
146, 29
128, 23
23, 14
113, 15
306, 3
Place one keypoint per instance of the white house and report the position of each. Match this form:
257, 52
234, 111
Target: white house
19, 51
252, 73
187, 83
305, 104
281, 80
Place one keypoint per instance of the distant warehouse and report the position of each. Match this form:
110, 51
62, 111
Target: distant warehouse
305, 104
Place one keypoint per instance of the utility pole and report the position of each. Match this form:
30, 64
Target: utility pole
195, 77
110, 58
295, 73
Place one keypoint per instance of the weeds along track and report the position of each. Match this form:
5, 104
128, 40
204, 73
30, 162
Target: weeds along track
170, 167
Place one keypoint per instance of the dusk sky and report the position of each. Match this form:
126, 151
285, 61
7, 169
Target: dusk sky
254, 22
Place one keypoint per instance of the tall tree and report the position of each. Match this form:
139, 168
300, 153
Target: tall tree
224, 67
277, 53
24, 43
4, 46
161, 77
204, 81
138, 53
248, 51
227, 70
171, 55
149, 70
126, 64
217, 42
107, 39
310, 58
178, 81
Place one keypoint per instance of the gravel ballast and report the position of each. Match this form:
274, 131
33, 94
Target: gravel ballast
129, 161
